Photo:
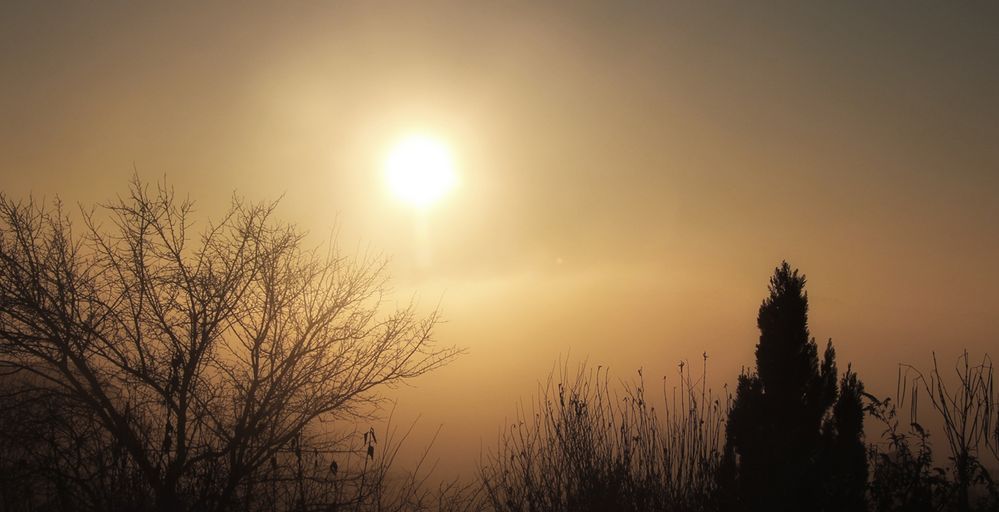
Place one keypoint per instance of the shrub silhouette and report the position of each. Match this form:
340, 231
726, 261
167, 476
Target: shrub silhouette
790, 444
586, 449
906, 475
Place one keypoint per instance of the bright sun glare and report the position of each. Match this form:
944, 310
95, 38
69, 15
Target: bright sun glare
420, 170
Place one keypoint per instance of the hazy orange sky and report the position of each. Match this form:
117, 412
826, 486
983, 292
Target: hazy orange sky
630, 173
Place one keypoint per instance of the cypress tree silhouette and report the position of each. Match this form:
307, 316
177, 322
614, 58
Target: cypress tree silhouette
844, 462
784, 436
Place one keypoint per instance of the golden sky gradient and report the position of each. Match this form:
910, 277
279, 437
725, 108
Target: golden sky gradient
629, 174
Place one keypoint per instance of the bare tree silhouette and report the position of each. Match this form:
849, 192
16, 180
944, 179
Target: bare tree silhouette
195, 359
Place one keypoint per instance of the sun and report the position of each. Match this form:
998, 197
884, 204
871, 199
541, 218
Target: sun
420, 170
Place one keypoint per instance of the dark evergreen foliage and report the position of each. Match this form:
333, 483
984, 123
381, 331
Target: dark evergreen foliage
791, 445
845, 458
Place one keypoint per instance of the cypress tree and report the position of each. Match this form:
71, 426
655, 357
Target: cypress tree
783, 429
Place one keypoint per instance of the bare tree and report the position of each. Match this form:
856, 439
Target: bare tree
200, 358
